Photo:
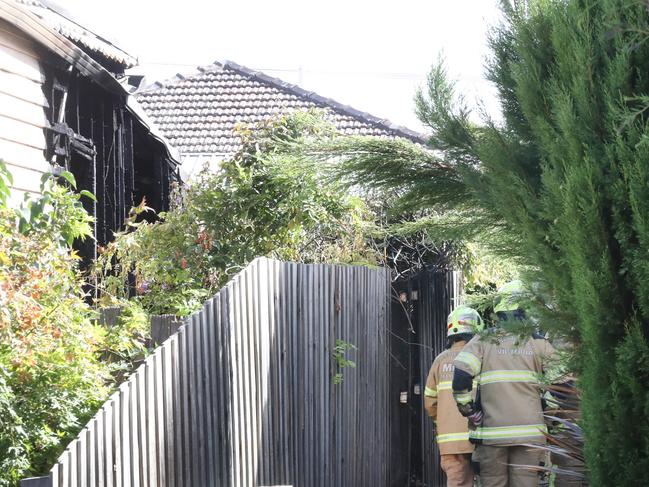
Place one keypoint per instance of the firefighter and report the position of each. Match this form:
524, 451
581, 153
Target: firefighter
451, 428
508, 416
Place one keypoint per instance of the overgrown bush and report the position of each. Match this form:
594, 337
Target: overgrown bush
274, 198
51, 377
266, 201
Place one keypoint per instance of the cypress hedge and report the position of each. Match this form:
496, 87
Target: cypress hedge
561, 184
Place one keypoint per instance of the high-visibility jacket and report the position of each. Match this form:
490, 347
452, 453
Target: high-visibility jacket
451, 427
507, 371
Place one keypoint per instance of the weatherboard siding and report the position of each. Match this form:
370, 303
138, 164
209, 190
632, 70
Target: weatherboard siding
22, 111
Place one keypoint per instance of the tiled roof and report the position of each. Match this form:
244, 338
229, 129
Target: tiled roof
60, 21
199, 113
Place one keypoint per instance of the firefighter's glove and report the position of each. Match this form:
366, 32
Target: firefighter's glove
467, 409
476, 418
471, 412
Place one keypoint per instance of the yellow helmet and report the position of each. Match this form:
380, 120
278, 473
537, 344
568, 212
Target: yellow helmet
511, 295
463, 320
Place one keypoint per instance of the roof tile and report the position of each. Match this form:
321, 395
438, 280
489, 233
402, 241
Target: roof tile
199, 113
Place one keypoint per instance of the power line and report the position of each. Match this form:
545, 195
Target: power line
381, 74
300, 72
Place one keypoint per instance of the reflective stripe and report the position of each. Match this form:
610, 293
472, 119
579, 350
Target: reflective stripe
463, 398
428, 392
453, 437
471, 360
448, 385
461, 329
505, 432
508, 376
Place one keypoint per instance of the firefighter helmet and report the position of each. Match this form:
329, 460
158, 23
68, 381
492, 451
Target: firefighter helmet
463, 320
511, 296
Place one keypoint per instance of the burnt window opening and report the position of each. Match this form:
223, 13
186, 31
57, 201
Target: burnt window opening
109, 151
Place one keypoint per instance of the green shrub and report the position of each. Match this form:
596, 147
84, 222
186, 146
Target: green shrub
267, 201
51, 377
51, 381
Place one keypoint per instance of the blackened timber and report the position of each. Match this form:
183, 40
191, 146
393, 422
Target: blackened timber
164, 188
81, 145
129, 173
97, 118
85, 126
110, 168
108, 149
158, 197
120, 187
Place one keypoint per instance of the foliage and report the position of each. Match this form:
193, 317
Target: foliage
559, 187
6, 180
407, 246
483, 272
427, 206
338, 354
125, 343
50, 378
56, 210
266, 201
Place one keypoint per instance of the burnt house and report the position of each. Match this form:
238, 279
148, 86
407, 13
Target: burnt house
199, 113
65, 104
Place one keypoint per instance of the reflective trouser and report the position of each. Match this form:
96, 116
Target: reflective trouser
496, 465
457, 468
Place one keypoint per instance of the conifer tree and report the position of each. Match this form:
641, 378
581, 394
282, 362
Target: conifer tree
562, 183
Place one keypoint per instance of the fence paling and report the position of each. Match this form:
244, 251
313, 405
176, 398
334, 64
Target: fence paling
163, 326
241, 394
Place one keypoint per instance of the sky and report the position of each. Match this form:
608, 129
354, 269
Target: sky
369, 54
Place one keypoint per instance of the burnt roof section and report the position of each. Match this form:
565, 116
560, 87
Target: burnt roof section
199, 113
15, 13
63, 22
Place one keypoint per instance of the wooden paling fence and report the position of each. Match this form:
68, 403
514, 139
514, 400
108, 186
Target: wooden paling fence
242, 395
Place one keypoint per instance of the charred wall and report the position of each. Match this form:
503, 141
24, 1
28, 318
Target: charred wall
111, 154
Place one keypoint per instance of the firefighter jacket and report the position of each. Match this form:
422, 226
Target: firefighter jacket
452, 427
507, 371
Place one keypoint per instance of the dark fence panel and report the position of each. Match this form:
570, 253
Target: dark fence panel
436, 295
108, 317
242, 394
162, 327
36, 482
291, 424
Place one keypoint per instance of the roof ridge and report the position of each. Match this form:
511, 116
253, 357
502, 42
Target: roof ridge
156, 84
294, 89
366, 117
